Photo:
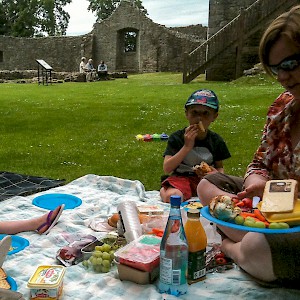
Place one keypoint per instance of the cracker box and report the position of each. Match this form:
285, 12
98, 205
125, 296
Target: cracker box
46, 283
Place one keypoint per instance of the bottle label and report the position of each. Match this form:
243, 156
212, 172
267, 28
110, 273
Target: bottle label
197, 265
168, 275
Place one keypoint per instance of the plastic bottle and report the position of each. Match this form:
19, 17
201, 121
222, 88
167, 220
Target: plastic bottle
197, 242
129, 223
173, 253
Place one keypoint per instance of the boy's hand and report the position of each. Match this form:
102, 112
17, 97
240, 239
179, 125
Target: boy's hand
190, 135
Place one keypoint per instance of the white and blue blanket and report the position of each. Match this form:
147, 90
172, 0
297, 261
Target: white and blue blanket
100, 196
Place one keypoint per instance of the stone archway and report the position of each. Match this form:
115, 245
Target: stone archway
128, 50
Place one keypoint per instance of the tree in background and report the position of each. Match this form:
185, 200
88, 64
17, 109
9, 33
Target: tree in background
104, 8
29, 18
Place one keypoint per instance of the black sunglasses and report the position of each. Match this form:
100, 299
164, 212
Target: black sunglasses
288, 64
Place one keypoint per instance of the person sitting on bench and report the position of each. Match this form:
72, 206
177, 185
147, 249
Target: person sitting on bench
102, 71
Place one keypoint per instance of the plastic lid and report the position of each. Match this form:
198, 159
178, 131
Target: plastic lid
47, 277
194, 213
175, 200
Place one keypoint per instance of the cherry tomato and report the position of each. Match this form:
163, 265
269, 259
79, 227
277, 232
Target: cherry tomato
220, 255
221, 261
247, 202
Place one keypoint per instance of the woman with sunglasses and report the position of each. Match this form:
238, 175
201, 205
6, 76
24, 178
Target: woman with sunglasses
269, 257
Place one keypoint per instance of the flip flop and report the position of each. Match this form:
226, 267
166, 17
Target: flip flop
50, 223
5, 244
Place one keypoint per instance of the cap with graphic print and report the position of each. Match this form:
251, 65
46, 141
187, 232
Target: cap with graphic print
203, 97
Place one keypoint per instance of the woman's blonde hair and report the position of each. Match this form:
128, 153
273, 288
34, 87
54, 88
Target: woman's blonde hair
288, 25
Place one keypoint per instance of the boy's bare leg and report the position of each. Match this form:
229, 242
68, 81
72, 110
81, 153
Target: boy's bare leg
165, 194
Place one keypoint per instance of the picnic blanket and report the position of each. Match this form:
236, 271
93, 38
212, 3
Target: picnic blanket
100, 196
12, 184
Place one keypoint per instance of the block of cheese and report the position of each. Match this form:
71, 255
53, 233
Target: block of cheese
279, 196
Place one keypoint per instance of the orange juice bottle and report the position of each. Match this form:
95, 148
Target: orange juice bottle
197, 242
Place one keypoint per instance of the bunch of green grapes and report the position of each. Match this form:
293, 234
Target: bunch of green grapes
101, 259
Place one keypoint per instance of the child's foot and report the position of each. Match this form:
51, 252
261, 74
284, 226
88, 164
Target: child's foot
50, 219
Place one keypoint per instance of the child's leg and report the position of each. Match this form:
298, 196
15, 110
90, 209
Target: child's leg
16, 226
166, 193
176, 185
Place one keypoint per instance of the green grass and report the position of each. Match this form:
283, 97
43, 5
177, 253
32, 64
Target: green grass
72, 129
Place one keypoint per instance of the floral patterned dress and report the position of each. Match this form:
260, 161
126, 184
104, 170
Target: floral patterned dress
275, 158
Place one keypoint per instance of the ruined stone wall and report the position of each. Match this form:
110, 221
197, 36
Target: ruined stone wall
62, 53
158, 48
199, 30
222, 12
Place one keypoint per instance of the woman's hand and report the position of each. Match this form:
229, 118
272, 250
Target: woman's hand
254, 186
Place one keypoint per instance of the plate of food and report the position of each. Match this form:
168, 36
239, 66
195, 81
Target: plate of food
18, 243
7, 282
12, 283
206, 214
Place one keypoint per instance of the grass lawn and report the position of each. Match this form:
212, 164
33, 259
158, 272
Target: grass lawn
72, 129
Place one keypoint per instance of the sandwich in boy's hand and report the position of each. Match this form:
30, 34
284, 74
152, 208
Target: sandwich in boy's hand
202, 169
201, 127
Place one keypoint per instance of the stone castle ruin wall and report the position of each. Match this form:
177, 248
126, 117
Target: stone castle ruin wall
158, 47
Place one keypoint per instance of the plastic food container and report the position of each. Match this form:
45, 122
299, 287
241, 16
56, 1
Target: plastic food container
141, 254
46, 282
137, 276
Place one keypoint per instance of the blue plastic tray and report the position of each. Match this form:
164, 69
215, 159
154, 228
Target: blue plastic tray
206, 214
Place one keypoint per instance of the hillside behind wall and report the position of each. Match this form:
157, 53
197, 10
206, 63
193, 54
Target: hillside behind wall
158, 48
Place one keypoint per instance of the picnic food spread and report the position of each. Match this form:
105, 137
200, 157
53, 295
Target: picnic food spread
279, 208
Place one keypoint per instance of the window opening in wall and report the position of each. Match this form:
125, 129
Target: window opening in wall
1, 56
130, 38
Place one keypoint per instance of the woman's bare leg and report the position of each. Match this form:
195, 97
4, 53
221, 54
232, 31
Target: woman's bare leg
252, 254
206, 190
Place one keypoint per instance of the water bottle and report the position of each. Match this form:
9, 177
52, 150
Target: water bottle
173, 253
129, 220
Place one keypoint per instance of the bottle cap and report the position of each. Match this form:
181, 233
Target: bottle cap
175, 200
193, 213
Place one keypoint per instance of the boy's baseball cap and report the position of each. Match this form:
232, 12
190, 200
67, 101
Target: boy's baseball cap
203, 97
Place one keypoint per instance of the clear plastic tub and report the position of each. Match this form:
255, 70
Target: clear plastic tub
142, 253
